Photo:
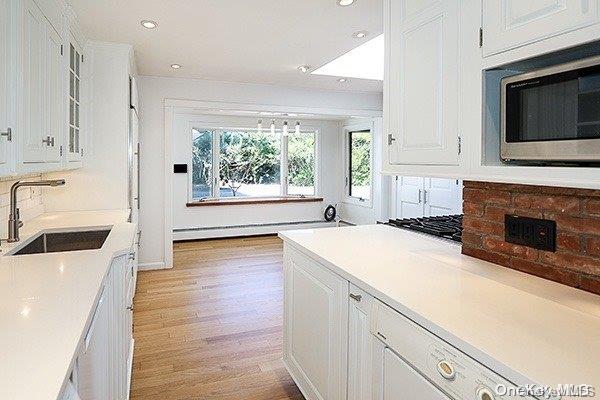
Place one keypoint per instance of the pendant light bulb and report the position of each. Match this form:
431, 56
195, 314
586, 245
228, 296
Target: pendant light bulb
260, 126
286, 130
273, 127
297, 128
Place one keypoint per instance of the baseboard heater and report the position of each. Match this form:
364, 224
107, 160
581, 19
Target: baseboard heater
214, 228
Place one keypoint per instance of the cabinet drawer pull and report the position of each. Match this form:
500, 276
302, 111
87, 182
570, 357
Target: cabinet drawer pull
356, 297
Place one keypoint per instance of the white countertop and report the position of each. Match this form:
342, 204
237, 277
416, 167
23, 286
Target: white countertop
530, 330
46, 301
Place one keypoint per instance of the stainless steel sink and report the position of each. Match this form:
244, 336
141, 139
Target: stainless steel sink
53, 242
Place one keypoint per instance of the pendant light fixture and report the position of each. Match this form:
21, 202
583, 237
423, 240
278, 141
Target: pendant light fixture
286, 131
273, 127
297, 128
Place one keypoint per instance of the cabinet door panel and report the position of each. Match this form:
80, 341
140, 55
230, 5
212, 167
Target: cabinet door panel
54, 94
30, 137
409, 197
509, 24
360, 346
4, 81
423, 81
444, 196
316, 322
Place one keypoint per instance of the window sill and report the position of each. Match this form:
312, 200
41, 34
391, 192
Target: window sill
270, 200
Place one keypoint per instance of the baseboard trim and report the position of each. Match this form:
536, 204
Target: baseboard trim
152, 266
244, 230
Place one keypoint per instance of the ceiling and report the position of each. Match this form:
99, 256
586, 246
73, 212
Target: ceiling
256, 41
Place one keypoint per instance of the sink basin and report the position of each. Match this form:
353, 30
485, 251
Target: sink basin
53, 242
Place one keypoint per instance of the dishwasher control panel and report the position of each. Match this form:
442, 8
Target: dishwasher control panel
458, 375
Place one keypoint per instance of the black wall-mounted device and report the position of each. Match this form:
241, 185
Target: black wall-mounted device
180, 168
531, 232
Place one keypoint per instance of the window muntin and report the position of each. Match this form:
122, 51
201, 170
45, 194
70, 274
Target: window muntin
202, 163
359, 164
247, 163
301, 164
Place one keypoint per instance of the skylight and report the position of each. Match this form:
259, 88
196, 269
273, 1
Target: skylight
363, 62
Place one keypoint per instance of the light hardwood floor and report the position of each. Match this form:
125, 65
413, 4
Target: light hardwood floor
211, 327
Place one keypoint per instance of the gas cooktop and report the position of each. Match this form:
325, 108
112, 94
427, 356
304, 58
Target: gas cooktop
446, 226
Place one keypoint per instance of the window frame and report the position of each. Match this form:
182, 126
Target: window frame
347, 131
284, 172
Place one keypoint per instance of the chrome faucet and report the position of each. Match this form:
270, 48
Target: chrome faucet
14, 223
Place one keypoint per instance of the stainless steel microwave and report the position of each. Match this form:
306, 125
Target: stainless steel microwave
552, 114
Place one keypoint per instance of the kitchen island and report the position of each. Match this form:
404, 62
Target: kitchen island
523, 329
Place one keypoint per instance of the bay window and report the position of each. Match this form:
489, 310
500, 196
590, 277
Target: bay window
251, 163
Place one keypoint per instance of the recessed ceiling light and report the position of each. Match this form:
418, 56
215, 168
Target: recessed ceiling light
149, 24
344, 3
360, 34
175, 66
304, 68
342, 80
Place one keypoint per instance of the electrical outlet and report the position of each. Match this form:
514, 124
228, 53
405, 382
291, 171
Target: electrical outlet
531, 232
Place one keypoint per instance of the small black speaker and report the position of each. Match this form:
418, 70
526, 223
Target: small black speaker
180, 168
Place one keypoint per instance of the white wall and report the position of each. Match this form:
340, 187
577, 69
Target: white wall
102, 182
329, 160
153, 92
378, 209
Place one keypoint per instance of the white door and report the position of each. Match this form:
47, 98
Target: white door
33, 131
508, 24
360, 345
402, 382
442, 196
54, 95
423, 72
5, 83
409, 195
316, 327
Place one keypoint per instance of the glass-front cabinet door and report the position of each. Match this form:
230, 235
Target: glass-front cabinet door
74, 144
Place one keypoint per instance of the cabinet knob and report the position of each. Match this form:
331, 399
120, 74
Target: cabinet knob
49, 141
356, 297
8, 134
130, 308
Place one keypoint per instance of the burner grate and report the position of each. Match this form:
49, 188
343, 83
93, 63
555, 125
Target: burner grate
447, 226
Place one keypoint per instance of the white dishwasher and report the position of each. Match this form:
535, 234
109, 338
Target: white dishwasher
413, 364
401, 381
93, 362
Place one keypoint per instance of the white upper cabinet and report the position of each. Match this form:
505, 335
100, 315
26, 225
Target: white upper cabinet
74, 138
5, 84
33, 48
508, 24
422, 81
54, 96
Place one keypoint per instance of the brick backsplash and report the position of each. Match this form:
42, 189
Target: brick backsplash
576, 261
29, 200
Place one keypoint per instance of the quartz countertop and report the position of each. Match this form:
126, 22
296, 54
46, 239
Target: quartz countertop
527, 329
47, 301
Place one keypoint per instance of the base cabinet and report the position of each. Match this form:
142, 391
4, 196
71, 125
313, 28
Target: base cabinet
315, 327
360, 345
103, 366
